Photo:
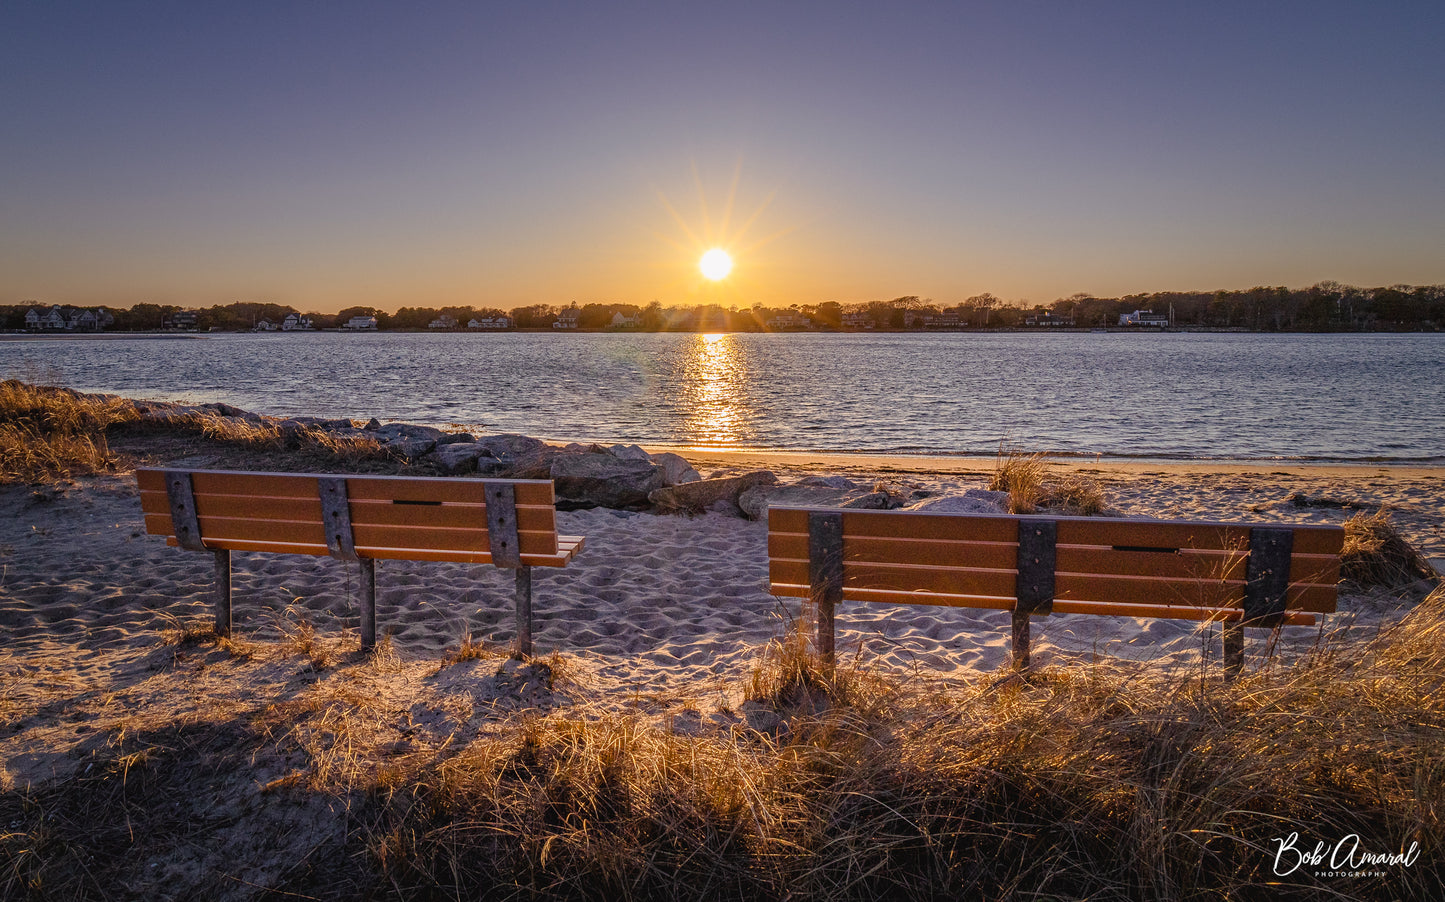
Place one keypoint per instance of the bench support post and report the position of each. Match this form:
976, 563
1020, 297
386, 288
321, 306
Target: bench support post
367, 590
825, 575
524, 613
1233, 649
1036, 561
1021, 640
223, 592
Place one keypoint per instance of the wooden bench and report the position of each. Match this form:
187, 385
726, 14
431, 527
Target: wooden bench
509, 523
1258, 575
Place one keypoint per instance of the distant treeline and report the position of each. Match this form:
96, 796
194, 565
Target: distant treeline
1325, 307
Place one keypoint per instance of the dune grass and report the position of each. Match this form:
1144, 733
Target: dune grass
1092, 781
53, 433
1375, 554
1025, 476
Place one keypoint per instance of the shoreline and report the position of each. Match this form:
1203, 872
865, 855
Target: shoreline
963, 465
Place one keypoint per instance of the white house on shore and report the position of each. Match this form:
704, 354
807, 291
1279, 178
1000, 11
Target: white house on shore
443, 322
1143, 318
360, 324
295, 322
490, 322
567, 319
68, 319
859, 321
264, 325
623, 321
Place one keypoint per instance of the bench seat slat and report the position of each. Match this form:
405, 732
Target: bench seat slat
418, 538
568, 547
1171, 612
303, 485
913, 525
262, 508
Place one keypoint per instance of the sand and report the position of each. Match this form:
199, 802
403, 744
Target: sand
660, 616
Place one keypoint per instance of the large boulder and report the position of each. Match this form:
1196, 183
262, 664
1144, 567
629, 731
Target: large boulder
628, 452
701, 495
675, 468
817, 491
516, 457
601, 480
458, 458
410, 448
973, 501
392, 432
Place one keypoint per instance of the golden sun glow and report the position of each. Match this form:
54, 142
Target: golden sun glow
716, 264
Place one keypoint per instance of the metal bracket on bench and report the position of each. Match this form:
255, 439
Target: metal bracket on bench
1266, 588
825, 573
336, 517
183, 510
502, 525
1038, 541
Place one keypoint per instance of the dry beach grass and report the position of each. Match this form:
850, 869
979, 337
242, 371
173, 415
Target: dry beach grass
145, 757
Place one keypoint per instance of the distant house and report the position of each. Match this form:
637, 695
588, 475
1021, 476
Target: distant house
183, 319
490, 322
295, 322
33, 319
789, 321
443, 322
859, 321
567, 319
54, 318
622, 321
264, 325
1048, 319
1143, 318
360, 324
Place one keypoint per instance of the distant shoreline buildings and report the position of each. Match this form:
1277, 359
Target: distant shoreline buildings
1324, 307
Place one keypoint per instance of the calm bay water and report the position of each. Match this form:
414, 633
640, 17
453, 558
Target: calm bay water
1177, 395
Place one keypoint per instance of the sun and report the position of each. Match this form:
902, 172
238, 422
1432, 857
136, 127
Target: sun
716, 264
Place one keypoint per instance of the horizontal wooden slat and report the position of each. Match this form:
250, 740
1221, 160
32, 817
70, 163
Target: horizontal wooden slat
1184, 592
396, 538
989, 555
903, 524
905, 578
385, 513
560, 559
1160, 611
1169, 612
531, 517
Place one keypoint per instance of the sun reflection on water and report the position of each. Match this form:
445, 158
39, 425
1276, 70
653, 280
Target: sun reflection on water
714, 374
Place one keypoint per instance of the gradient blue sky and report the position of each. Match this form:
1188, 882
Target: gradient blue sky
327, 154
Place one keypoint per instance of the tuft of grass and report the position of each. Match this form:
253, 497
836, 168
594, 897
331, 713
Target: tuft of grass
1375, 554
54, 433
1026, 478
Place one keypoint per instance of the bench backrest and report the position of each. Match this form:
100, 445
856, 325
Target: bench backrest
396, 517
1138, 568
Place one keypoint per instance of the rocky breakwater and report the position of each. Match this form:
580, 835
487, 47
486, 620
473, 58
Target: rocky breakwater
623, 477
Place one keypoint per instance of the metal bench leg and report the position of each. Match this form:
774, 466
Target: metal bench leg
1233, 649
368, 602
223, 592
524, 612
1021, 640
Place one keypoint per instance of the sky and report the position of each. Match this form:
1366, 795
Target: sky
327, 155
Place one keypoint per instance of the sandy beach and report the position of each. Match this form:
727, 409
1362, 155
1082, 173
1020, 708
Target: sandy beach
669, 608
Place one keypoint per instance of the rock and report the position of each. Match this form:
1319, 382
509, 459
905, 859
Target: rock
696, 497
410, 448
755, 501
628, 452
227, 410
458, 457
372, 425
873, 501
393, 431
675, 468
454, 438
830, 482
601, 480
511, 446
973, 501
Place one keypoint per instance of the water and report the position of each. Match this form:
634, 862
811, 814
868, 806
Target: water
1171, 396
